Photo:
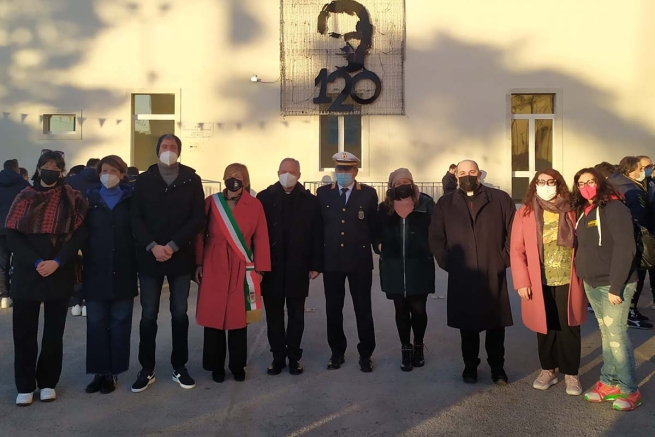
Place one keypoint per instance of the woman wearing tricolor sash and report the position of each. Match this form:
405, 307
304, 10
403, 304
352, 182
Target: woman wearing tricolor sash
231, 255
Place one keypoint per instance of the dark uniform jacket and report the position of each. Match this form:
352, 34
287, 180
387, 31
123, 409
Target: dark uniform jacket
85, 181
348, 230
295, 233
11, 183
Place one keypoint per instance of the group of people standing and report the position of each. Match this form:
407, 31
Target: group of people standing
252, 254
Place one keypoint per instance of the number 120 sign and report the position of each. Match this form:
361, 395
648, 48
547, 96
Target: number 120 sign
349, 89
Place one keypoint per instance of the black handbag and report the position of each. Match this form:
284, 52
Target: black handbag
645, 258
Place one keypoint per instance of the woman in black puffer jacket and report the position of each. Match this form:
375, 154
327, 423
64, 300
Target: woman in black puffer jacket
406, 263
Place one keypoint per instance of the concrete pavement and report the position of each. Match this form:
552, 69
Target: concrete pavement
430, 401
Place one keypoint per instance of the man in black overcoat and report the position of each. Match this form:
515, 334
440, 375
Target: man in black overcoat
295, 233
349, 221
469, 237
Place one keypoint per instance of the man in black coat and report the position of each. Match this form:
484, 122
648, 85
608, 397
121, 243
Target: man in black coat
469, 237
295, 232
11, 183
87, 179
168, 211
449, 181
349, 221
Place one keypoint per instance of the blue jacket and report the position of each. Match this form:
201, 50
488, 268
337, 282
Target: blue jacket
85, 181
11, 183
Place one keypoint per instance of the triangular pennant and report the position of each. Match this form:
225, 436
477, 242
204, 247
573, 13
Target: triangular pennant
219, 125
118, 122
6, 115
201, 126
23, 117
82, 120
285, 123
238, 126
102, 121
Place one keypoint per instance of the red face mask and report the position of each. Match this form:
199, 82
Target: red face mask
588, 192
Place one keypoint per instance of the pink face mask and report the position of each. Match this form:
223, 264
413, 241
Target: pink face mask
588, 192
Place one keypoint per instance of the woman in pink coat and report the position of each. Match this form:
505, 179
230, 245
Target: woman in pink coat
231, 255
553, 302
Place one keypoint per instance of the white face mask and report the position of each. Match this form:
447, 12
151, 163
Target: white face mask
287, 180
168, 157
641, 176
109, 180
546, 192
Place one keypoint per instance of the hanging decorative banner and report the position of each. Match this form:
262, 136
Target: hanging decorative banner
342, 57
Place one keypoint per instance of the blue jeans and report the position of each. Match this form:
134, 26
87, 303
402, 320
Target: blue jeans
618, 356
108, 330
150, 296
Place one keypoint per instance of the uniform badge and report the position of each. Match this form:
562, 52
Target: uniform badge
345, 155
360, 215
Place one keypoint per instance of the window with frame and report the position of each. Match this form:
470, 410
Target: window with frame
533, 118
59, 124
329, 138
153, 116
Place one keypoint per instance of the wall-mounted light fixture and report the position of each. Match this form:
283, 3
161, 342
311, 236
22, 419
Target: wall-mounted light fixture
256, 79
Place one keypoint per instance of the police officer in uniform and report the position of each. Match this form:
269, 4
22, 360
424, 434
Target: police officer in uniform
349, 211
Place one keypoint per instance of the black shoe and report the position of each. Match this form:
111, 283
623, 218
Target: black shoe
182, 377
95, 385
275, 368
470, 375
419, 357
239, 376
295, 368
109, 383
143, 381
365, 365
499, 377
635, 314
218, 376
335, 362
406, 364
638, 324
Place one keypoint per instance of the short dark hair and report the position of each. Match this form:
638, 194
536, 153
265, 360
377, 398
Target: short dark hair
75, 170
46, 158
605, 169
452, 167
23, 172
93, 162
132, 171
113, 161
169, 137
628, 165
11, 164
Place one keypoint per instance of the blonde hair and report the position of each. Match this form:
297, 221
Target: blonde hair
236, 167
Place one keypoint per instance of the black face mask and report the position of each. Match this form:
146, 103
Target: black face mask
49, 177
468, 183
233, 184
403, 192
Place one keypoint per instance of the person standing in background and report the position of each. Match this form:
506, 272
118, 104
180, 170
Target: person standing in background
449, 181
11, 183
649, 184
24, 173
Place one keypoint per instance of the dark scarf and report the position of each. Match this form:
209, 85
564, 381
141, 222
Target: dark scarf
58, 211
565, 227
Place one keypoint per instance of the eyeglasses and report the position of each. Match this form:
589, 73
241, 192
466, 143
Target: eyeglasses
590, 182
44, 151
549, 182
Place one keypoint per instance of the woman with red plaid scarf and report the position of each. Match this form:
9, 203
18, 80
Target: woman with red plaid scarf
44, 232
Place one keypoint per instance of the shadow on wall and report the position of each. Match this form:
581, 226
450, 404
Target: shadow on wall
462, 99
43, 44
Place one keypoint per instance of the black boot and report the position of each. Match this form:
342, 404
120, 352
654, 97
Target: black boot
419, 358
408, 355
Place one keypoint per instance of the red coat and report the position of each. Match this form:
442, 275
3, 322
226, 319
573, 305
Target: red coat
526, 272
221, 297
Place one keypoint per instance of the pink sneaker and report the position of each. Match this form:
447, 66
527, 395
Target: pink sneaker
627, 402
602, 393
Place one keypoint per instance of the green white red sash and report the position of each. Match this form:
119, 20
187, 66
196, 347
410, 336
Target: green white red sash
230, 228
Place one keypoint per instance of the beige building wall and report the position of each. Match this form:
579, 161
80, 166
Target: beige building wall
463, 59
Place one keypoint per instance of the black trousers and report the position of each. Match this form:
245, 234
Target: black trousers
5, 266
561, 346
494, 344
45, 372
108, 331
640, 285
335, 294
411, 315
285, 342
214, 349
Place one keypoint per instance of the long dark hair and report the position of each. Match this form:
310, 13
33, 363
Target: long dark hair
562, 189
44, 159
605, 192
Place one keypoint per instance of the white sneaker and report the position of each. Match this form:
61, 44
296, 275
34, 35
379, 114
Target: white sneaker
545, 380
76, 310
48, 395
84, 311
6, 302
24, 399
573, 386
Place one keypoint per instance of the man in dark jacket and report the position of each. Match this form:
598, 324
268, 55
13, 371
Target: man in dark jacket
449, 181
649, 184
349, 222
168, 211
11, 183
295, 232
469, 237
630, 181
87, 179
